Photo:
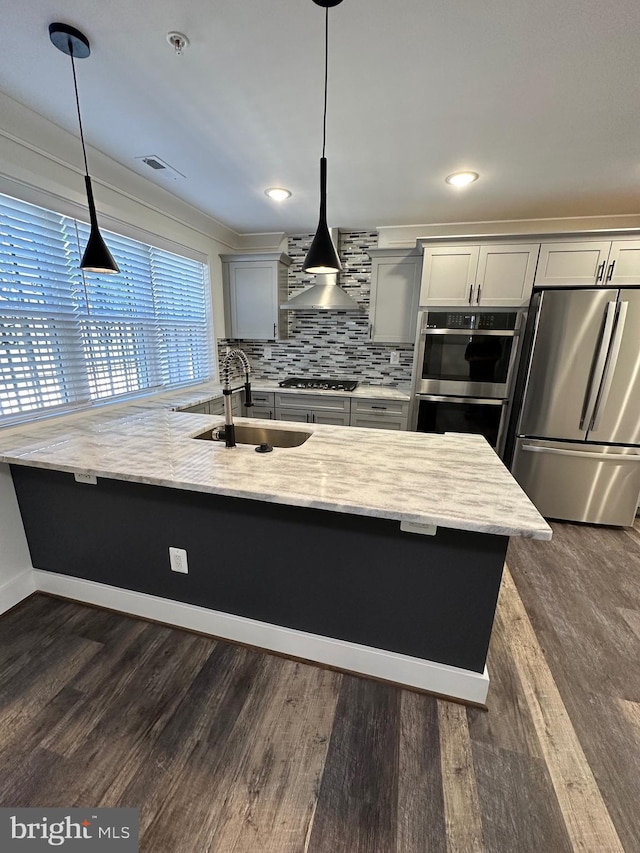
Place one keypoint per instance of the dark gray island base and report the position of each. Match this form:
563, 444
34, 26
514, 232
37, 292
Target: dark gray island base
423, 605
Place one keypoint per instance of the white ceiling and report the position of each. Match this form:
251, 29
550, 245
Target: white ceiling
541, 98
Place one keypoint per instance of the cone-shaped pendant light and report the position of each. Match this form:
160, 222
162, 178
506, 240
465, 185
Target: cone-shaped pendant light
96, 257
322, 257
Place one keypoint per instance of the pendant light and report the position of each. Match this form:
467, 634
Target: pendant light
322, 257
97, 257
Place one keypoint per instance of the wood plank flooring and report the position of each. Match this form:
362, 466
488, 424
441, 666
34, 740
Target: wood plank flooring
231, 750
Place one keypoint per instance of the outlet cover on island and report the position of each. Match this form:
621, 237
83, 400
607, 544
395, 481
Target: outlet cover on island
394, 357
266, 352
178, 560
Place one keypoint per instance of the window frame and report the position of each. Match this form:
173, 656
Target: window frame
159, 327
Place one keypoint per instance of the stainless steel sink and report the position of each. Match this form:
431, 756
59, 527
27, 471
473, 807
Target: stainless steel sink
246, 434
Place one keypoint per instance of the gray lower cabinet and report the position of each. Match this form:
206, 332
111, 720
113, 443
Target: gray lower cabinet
313, 408
312, 416
263, 406
380, 414
200, 409
261, 412
215, 406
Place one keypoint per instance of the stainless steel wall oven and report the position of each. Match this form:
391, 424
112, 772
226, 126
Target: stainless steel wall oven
463, 371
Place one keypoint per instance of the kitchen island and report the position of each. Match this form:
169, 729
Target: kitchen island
373, 551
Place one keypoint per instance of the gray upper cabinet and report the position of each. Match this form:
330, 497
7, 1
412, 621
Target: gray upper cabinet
448, 275
589, 262
491, 274
254, 286
505, 274
395, 291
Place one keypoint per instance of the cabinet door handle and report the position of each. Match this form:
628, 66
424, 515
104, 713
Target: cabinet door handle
470, 293
610, 270
478, 296
274, 329
600, 271
370, 331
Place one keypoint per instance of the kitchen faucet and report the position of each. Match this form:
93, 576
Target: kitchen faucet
231, 355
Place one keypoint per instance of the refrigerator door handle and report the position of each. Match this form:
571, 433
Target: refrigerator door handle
598, 369
584, 454
610, 369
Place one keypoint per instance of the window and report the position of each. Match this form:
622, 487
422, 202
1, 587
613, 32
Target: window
68, 338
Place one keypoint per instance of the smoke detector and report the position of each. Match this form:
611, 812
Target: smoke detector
161, 168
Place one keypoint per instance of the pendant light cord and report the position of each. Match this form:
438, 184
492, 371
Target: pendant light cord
326, 77
75, 85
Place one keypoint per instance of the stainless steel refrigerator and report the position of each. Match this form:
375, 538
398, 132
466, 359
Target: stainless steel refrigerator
577, 439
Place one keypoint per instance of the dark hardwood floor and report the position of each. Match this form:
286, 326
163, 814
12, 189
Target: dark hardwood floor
231, 750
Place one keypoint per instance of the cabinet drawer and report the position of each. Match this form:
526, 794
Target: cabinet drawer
262, 398
263, 412
297, 415
380, 407
379, 421
319, 402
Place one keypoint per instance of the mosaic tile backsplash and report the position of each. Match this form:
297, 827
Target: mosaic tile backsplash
331, 343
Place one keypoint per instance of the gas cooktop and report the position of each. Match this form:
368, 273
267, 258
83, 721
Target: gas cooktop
319, 384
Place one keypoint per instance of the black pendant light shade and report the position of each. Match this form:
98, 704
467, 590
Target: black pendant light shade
96, 257
322, 257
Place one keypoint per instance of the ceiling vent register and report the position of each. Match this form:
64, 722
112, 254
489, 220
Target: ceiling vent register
162, 168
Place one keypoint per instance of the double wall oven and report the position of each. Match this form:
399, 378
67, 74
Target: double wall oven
463, 371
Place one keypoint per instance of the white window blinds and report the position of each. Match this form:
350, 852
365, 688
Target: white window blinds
68, 339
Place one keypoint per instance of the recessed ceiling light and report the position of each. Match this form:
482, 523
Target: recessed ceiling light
461, 179
277, 193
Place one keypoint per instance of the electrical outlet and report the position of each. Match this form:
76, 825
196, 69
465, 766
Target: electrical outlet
266, 352
178, 560
394, 358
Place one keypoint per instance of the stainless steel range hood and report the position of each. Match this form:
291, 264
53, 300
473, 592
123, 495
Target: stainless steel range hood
325, 295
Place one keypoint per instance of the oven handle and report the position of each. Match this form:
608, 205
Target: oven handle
496, 333
478, 401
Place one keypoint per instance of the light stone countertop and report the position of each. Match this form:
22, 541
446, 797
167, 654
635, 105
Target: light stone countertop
451, 480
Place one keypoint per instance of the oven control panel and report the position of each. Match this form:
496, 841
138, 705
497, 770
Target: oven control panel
498, 320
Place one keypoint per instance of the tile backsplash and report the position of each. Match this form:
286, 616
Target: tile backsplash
331, 343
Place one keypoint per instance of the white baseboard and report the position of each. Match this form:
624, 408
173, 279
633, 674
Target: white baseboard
435, 677
12, 592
